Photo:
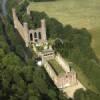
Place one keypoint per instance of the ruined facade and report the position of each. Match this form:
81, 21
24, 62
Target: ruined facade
67, 82
30, 36
38, 37
68, 78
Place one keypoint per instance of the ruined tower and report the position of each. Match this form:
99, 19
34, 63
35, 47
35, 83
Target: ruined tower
43, 30
30, 36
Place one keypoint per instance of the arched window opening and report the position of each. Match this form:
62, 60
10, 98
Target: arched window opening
35, 35
31, 37
39, 35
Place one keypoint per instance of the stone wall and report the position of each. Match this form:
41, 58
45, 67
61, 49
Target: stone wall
63, 63
21, 28
65, 80
43, 30
50, 71
28, 35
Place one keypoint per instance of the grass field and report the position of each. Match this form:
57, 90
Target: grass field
78, 13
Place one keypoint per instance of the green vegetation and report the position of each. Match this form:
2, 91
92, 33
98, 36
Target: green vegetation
57, 68
22, 79
76, 47
95, 40
85, 95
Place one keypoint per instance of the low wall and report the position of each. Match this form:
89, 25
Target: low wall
17, 23
50, 71
63, 63
21, 28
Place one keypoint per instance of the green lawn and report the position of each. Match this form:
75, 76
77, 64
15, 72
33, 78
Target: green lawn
57, 68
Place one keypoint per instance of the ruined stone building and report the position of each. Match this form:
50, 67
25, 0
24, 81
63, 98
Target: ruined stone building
38, 37
61, 80
30, 36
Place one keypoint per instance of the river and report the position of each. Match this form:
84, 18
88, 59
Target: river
3, 5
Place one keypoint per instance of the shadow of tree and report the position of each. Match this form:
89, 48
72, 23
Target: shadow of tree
80, 94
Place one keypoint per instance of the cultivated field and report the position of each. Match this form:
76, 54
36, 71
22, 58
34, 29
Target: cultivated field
78, 13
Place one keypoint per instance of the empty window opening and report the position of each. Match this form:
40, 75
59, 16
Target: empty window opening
35, 35
31, 37
39, 35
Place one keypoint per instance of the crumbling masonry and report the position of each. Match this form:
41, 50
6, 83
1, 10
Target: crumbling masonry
30, 36
39, 38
